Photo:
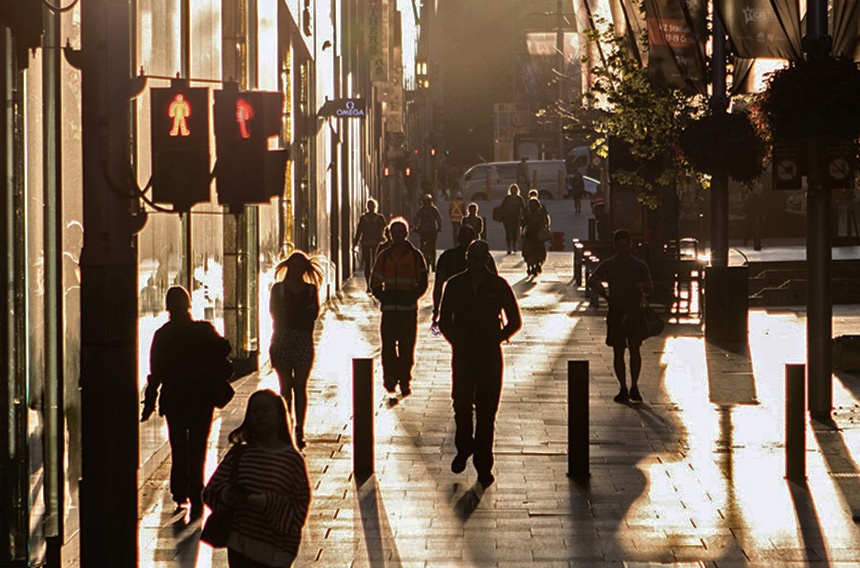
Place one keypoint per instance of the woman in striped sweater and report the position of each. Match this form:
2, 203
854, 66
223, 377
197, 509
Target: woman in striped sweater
264, 478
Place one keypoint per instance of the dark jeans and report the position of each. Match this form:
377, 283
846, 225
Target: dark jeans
477, 383
512, 233
399, 330
428, 247
188, 435
368, 256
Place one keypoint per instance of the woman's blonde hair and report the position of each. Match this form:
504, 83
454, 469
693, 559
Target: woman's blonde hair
310, 268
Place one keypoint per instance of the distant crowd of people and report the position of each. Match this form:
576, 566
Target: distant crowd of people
261, 486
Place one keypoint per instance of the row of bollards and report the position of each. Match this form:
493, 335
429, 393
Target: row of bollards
578, 419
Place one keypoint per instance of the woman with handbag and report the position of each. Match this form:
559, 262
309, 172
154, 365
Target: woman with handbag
535, 235
294, 305
260, 493
188, 365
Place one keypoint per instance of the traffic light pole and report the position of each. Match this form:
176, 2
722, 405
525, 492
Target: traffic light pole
819, 299
109, 388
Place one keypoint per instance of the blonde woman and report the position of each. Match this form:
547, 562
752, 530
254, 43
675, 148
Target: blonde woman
294, 305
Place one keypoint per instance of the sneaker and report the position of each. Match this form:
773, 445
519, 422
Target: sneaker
634, 395
459, 463
486, 479
622, 395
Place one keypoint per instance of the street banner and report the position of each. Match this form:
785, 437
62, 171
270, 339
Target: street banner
392, 94
376, 39
762, 28
544, 58
676, 35
846, 29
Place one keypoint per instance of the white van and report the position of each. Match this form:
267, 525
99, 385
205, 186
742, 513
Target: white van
473, 184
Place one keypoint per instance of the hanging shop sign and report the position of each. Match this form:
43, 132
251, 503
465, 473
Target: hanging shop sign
344, 108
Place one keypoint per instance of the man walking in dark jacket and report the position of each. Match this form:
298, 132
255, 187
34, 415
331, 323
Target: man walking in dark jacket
182, 358
479, 311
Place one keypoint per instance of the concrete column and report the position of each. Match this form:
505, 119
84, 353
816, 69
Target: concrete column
109, 388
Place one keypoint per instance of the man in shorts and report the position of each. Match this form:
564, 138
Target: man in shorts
628, 278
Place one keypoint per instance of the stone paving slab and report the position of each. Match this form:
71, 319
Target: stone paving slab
694, 476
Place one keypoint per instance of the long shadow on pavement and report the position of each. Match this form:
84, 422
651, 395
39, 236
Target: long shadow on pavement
378, 536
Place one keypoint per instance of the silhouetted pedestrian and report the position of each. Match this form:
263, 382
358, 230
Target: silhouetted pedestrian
182, 363
479, 311
577, 190
512, 208
264, 480
535, 235
523, 173
399, 279
369, 234
428, 223
628, 279
294, 305
475, 221
453, 262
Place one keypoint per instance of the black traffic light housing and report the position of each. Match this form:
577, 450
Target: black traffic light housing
180, 145
247, 170
24, 20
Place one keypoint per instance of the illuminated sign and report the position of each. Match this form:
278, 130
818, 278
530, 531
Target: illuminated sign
244, 114
344, 108
178, 111
179, 121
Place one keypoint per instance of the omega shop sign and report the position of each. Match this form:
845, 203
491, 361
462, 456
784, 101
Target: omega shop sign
344, 108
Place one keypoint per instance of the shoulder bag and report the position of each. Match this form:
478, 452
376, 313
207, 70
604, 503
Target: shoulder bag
652, 323
216, 530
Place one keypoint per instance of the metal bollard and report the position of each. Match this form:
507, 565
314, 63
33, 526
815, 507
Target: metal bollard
560, 184
578, 249
362, 420
592, 229
577, 419
795, 423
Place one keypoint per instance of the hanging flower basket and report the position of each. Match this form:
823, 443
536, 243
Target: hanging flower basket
814, 101
724, 143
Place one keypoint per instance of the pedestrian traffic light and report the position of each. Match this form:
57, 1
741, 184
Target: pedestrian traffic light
247, 170
180, 145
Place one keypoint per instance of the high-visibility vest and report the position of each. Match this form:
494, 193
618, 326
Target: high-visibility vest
457, 210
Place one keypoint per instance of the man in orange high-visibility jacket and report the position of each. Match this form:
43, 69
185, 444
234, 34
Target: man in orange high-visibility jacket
457, 210
399, 278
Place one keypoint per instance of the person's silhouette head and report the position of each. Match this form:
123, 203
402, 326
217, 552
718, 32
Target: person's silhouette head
466, 235
514, 189
622, 241
371, 205
398, 229
477, 256
265, 415
177, 301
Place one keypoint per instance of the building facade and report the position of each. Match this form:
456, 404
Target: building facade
87, 255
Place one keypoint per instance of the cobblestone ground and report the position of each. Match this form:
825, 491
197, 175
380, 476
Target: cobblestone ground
694, 476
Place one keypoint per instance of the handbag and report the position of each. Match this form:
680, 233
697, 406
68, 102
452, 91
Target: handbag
216, 530
652, 323
544, 235
497, 213
223, 392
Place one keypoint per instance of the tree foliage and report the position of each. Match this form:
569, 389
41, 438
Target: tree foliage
647, 118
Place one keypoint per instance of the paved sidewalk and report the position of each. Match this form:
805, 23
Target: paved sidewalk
692, 477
